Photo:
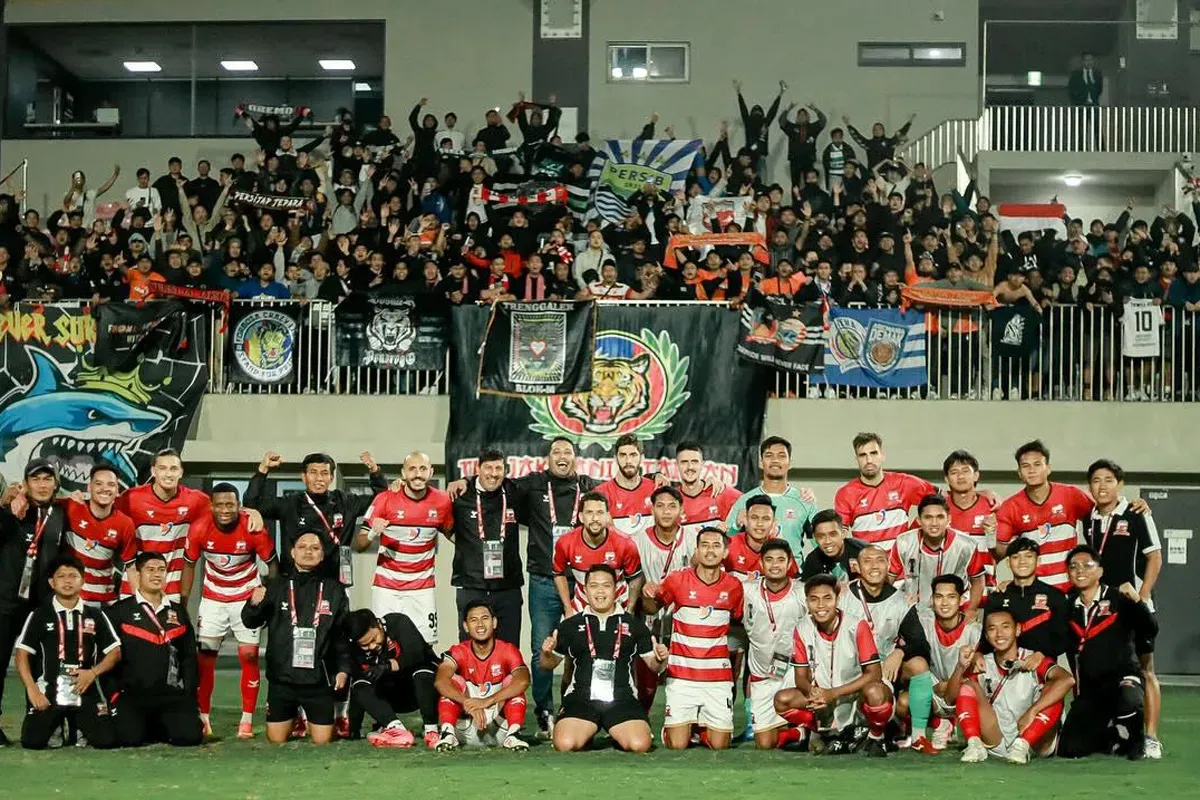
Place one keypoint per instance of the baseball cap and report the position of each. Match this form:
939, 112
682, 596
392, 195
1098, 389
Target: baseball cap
887, 235
39, 465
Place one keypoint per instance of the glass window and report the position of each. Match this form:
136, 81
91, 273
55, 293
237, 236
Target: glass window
912, 54
665, 62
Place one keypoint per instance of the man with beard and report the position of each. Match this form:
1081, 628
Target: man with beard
101, 537
876, 504
704, 502
594, 543
794, 508
628, 491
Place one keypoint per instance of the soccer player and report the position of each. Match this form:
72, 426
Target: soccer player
162, 511
407, 523
1130, 552
628, 491
63, 650
101, 537
947, 630
482, 683
1107, 714
972, 512
793, 507
836, 553
594, 543
876, 505
934, 549
836, 666
703, 504
1041, 611
899, 638
704, 601
228, 553
305, 615
1011, 707
774, 605
393, 674
603, 642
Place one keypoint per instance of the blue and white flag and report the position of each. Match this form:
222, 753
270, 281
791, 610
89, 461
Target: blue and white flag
881, 348
622, 167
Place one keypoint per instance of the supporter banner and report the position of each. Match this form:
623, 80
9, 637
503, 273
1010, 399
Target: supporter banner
551, 160
946, 298
754, 241
525, 194
880, 348
782, 335
278, 111
126, 333
1016, 330
395, 338
621, 168
543, 348
269, 201
262, 343
1020, 217
221, 297
56, 403
664, 375
1140, 324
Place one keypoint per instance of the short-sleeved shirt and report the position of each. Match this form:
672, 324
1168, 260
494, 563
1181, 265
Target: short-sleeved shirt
230, 557
792, 516
162, 526
629, 508
408, 545
485, 676
914, 560
1053, 524
574, 643
704, 509
702, 614
879, 514
103, 546
844, 567
745, 563
54, 635
574, 556
1123, 539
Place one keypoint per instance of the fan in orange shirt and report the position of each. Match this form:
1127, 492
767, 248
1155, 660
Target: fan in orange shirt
785, 282
140, 277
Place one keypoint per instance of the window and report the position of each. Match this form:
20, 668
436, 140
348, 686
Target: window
912, 54
661, 62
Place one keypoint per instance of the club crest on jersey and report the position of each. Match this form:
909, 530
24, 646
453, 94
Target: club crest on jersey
338, 519
240, 546
172, 618
495, 669
979, 518
510, 515
183, 511
893, 497
1122, 529
432, 513
1105, 609
323, 608
1040, 602
89, 626
1057, 508
610, 557
639, 382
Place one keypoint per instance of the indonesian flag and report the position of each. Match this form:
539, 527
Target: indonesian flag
1021, 217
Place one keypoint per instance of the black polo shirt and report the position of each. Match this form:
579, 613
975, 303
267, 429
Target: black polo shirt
573, 643
17, 537
1123, 539
536, 490
1042, 611
504, 502
79, 637
844, 566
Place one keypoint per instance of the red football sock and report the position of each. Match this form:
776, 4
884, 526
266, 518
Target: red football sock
448, 711
877, 718
248, 658
1043, 723
704, 738
800, 717
787, 736
207, 662
966, 707
514, 712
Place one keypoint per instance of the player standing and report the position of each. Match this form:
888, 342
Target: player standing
628, 491
876, 505
702, 504
774, 605
971, 511
590, 544
228, 552
794, 507
102, 538
933, 549
947, 630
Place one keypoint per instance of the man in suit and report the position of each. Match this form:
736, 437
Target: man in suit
1086, 83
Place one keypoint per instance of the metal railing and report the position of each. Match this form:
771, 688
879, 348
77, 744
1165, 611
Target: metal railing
1078, 357
940, 146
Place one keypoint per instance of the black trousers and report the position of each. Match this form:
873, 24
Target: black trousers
508, 604
146, 719
98, 727
392, 695
1105, 715
11, 622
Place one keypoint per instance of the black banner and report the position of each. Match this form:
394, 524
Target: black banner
271, 202
1016, 330
663, 374
261, 345
397, 337
542, 348
126, 333
780, 334
56, 403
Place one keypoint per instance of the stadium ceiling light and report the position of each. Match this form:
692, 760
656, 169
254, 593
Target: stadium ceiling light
336, 64
142, 66
1033, 78
362, 87
239, 66
1073, 180
640, 72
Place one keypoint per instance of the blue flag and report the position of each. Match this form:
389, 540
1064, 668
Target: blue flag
622, 167
880, 348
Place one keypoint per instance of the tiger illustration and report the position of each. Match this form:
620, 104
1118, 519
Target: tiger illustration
619, 393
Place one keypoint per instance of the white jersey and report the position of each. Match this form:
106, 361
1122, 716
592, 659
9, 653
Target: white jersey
1140, 324
660, 560
1011, 693
944, 645
835, 660
913, 561
883, 616
770, 621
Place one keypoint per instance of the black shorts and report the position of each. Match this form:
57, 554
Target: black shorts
1144, 645
284, 701
603, 715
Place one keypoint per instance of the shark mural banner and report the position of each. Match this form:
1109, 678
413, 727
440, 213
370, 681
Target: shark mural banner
56, 403
663, 375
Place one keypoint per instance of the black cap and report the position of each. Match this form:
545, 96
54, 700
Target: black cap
1189, 266
887, 234
39, 465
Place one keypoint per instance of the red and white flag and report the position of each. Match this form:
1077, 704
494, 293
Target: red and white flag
1021, 217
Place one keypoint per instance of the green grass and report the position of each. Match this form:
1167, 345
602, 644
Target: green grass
355, 771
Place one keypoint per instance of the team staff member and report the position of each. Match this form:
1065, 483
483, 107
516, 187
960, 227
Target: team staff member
836, 553
393, 674
63, 650
793, 507
29, 542
329, 513
1042, 611
602, 643
157, 678
487, 547
1106, 622
1130, 552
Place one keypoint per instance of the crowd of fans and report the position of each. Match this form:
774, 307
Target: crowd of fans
377, 212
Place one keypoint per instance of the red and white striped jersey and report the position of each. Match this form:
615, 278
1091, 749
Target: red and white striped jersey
702, 614
745, 563
914, 560
162, 526
408, 545
878, 514
659, 560
704, 509
1052, 524
970, 521
103, 546
944, 645
573, 557
485, 676
230, 558
629, 508
837, 658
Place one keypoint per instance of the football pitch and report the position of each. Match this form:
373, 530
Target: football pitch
355, 770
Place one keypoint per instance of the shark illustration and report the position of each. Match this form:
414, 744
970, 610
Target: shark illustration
73, 428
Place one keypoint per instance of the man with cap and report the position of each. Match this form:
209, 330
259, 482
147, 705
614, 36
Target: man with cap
30, 531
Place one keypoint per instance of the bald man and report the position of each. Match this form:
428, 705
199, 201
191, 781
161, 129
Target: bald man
406, 521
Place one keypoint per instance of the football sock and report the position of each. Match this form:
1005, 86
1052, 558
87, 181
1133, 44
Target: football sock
920, 702
799, 717
448, 712
206, 660
966, 708
877, 718
248, 658
514, 713
787, 736
1043, 722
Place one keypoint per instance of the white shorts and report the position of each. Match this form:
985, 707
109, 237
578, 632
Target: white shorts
942, 707
709, 704
216, 620
470, 736
419, 605
762, 701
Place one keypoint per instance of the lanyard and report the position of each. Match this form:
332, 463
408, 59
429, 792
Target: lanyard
671, 553
940, 555
1000, 685
862, 598
1106, 523
62, 636
162, 632
324, 522
833, 647
762, 587
38, 528
1089, 616
503, 514
316, 610
550, 502
592, 644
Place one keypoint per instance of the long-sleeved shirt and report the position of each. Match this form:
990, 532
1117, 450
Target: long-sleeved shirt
1103, 634
802, 139
879, 148
758, 126
158, 647
303, 600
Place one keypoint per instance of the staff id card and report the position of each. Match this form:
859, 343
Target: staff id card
345, 565
65, 695
604, 673
780, 664
493, 560
26, 578
304, 648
